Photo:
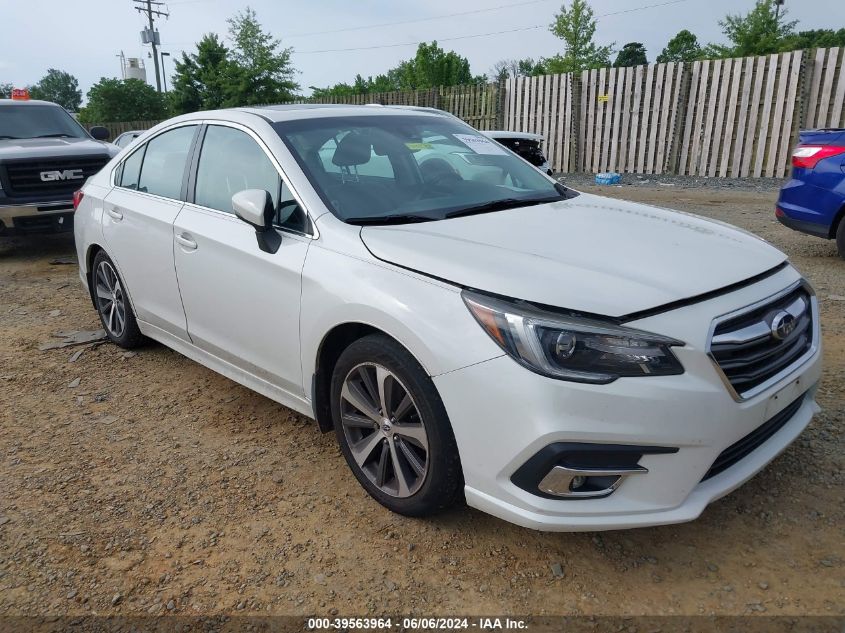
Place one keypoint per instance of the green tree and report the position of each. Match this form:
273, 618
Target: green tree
576, 26
632, 54
260, 71
200, 80
527, 67
59, 87
432, 66
819, 38
123, 100
6, 90
759, 32
684, 47
429, 68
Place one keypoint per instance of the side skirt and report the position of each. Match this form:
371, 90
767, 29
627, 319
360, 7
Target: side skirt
230, 371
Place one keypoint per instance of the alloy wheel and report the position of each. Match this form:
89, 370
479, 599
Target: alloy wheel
384, 430
111, 300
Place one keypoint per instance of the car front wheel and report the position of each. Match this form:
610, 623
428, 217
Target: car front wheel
393, 429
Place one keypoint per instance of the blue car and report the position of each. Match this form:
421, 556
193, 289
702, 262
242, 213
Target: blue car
813, 201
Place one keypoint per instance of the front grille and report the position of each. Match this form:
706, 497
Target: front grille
748, 444
749, 352
23, 177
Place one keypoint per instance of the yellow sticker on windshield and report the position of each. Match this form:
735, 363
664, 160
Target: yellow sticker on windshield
415, 147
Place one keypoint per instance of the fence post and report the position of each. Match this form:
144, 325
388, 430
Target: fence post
808, 65
501, 93
576, 123
673, 162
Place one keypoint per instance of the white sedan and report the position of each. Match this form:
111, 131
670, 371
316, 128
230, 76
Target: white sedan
468, 327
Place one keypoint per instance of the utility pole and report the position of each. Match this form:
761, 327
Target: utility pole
163, 72
778, 5
152, 8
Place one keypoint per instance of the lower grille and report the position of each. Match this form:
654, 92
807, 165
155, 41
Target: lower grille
58, 222
760, 344
740, 450
63, 175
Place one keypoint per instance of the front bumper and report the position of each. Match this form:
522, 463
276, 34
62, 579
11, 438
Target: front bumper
48, 217
503, 415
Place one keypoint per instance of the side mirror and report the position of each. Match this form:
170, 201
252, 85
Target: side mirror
255, 207
100, 133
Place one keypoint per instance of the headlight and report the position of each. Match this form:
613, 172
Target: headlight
572, 348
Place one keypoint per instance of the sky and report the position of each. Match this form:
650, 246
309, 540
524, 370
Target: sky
86, 37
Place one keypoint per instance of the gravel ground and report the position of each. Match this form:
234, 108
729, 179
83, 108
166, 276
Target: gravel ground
142, 483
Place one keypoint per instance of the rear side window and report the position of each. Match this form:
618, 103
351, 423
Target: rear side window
164, 162
132, 169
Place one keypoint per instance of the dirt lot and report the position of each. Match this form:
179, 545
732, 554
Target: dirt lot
155, 486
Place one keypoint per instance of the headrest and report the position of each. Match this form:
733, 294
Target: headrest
353, 149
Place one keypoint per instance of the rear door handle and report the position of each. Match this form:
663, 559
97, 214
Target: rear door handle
115, 214
186, 242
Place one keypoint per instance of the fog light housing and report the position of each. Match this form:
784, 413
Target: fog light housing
574, 470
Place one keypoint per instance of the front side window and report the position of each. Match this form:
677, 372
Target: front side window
231, 161
164, 162
396, 168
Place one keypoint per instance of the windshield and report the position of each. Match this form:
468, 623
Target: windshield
380, 169
38, 121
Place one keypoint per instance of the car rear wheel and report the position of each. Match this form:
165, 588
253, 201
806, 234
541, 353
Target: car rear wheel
393, 429
112, 303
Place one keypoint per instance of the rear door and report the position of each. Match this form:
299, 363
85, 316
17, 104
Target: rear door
242, 303
138, 226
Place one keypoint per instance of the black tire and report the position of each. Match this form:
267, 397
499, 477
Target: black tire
840, 238
128, 336
442, 485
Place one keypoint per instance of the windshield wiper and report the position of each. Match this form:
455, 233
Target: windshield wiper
500, 205
7, 136
60, 135
397, 218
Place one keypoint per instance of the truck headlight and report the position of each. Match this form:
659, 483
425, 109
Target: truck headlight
572, 348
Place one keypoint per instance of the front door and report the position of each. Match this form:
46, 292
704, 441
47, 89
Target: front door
242, 303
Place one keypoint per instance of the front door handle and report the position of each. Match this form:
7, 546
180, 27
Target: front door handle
115, 214
186, 242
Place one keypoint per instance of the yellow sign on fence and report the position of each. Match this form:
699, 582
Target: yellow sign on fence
604, 98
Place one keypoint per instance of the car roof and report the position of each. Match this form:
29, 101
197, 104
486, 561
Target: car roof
292, 111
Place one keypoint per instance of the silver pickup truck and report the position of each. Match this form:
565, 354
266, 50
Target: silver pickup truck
45, 155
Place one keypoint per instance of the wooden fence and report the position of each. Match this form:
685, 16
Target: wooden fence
117, 128
477, 104
543, 105
826, 89
726, 117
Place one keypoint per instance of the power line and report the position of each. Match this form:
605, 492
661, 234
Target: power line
476, 35
429, 19
439, 39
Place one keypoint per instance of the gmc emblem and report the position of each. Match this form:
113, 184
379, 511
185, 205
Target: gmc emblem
67, 174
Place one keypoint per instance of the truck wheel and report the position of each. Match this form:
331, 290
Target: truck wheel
113, 303
393, 429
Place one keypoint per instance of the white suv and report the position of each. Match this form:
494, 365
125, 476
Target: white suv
468, 326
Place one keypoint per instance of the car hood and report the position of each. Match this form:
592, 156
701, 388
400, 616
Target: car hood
14, 149
588, 254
